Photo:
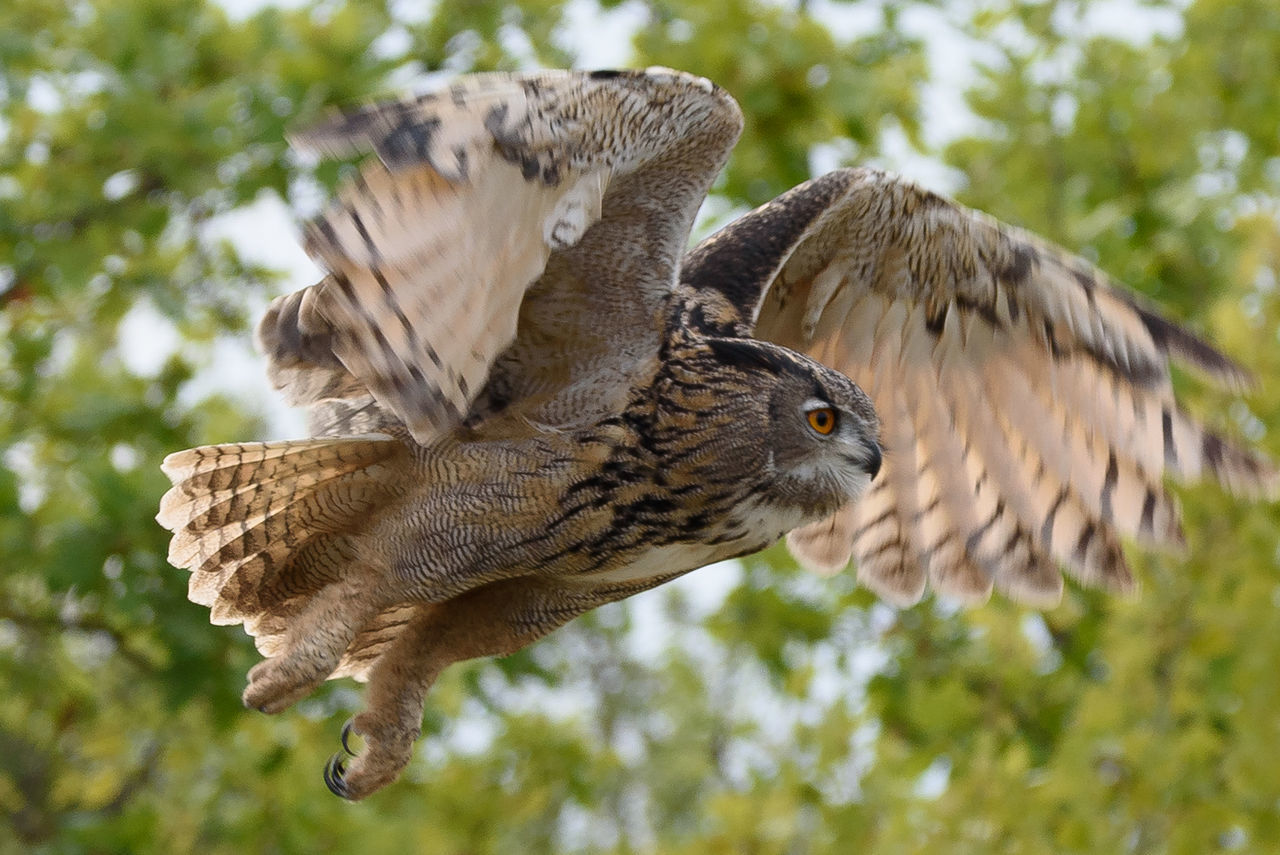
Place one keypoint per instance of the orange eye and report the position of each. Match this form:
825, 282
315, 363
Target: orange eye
823, 420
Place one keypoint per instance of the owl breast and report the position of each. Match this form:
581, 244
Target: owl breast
748, 527
656, 565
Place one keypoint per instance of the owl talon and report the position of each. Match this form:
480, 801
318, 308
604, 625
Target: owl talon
347, 730
353, 775
334, 772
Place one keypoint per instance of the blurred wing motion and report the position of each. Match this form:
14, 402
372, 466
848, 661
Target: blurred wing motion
1027, 413
476, 191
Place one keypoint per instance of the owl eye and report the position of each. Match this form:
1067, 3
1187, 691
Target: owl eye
822, 419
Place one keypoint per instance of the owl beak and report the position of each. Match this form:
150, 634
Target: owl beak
874, 458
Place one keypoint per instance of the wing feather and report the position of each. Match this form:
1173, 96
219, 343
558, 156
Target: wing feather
477, 198
882, 539
1027, 412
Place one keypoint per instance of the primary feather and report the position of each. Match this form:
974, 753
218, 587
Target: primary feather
1027, 407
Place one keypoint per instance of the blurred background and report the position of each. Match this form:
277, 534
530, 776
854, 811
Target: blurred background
147, 214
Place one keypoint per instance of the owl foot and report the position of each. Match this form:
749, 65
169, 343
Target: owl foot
276, 684
354, 776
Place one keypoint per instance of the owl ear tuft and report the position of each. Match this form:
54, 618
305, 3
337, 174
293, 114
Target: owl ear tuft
750, 353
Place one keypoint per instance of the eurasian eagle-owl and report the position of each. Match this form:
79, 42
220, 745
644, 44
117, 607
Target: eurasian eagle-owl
527, 400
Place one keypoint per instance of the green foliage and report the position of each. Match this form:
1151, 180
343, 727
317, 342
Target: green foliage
797, 84
791, 714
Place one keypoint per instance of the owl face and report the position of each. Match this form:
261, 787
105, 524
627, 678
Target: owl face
820, 430
825, 448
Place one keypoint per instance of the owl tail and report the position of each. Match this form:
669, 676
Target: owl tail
263, 526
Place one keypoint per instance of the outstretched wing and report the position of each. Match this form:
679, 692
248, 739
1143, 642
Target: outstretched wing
1028, 418
579, 187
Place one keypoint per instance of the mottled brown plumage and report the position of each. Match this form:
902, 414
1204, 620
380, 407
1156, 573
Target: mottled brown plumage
525, 402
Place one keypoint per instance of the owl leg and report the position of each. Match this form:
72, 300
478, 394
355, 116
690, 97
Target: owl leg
495, 620
313, 647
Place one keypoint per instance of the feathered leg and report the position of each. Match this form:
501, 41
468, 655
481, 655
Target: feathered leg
495, 620
313, 645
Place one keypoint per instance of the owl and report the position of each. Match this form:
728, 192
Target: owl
526, 399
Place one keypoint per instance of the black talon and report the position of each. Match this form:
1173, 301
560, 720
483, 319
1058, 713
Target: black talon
347, 730
333, 772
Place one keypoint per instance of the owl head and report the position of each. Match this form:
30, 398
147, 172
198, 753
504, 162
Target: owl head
819, 431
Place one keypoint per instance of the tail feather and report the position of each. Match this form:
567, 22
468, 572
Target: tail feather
258, 524
201, 509
218, 467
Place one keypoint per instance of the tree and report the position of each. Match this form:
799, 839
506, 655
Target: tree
752, 709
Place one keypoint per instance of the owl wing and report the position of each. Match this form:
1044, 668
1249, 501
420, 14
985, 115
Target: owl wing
1027, 414
298, 343
499, 191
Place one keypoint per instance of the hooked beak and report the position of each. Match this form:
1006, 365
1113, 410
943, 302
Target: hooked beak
874, 459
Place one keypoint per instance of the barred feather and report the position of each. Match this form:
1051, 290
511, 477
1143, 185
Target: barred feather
432, 248
1028, 416
373, 641
254, 522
